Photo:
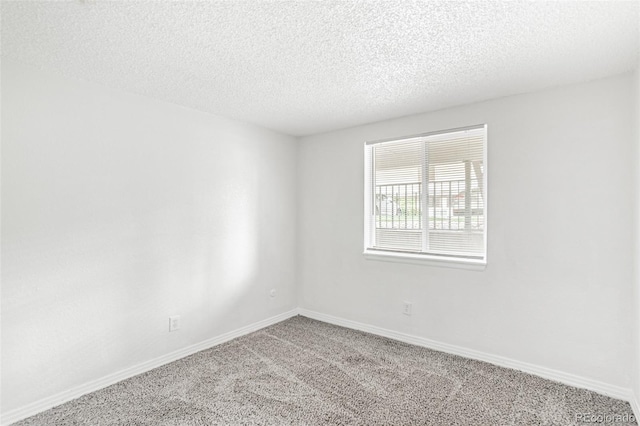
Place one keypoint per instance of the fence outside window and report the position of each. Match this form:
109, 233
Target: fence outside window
451, 206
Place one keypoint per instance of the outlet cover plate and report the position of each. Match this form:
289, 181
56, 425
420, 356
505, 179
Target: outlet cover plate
406, 308
174, 322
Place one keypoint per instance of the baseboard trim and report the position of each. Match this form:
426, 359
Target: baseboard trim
94, 385
544, 372
547, 373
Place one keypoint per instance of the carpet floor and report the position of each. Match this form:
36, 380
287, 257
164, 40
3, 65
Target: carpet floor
306, 372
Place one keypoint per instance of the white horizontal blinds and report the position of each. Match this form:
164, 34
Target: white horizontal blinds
456, 193
428, 194
397, 193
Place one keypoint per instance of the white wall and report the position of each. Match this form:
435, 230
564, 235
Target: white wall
636, 295
118, 211
557, 289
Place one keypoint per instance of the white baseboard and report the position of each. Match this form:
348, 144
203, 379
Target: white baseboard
544, 372
547, 373
94, 385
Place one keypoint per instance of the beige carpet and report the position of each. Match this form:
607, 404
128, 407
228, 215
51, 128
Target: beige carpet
305, 372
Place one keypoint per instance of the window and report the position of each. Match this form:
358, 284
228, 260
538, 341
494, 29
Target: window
426, 198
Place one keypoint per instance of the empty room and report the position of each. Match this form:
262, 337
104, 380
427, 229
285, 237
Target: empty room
320, 212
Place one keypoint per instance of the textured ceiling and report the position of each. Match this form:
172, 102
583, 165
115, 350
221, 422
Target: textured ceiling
305, 67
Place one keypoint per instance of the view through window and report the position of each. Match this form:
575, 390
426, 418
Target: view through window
426, 194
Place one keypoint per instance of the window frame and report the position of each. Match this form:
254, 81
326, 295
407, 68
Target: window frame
422, 258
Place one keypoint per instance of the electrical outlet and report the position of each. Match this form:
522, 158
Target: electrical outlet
174, 323
406, 308
272, 293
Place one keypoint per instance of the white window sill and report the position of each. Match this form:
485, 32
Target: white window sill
425, 259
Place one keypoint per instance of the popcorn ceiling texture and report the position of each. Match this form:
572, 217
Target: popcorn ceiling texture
308, 67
